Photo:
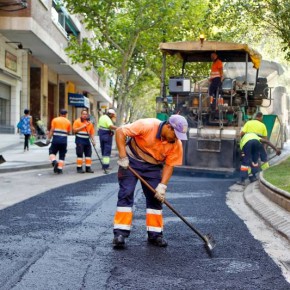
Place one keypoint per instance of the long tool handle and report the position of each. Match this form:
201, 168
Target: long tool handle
272, 157
169, 205
94, 147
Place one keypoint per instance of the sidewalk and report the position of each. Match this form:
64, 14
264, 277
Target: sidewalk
11, 148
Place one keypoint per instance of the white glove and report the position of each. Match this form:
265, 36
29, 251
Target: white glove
124, 162
160, 192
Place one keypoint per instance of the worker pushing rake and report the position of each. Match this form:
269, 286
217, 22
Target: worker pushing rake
153, 149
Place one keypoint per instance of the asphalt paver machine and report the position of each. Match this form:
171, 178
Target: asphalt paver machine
214, 128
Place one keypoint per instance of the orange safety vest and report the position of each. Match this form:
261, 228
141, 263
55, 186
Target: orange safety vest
216, 69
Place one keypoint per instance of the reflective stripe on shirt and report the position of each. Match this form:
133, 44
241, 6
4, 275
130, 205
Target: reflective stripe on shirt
60, 133
81, 134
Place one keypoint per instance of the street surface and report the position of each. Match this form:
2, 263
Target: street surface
61, 238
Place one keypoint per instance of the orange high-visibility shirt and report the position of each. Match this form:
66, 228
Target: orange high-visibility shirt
61, 128
83, 136
147, 132
89, 129
216, 69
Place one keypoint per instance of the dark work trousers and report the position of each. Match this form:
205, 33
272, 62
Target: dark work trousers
252, 151
106, 140
58, 148
26, 141
83, 149
127, 183
214, 87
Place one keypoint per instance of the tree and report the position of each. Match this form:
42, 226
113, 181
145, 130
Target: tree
255, 20
125, 38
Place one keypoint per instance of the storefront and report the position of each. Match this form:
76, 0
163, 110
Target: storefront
5, 106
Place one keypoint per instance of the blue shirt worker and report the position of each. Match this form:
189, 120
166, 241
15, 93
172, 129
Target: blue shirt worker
60, 128
85, 134
105, 130
252, 149
154, 148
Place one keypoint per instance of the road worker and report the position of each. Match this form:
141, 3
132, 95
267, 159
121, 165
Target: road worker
252, 149
106, 133
258, 127
85, 135
255, 126
154, 148
60, 128
215, 79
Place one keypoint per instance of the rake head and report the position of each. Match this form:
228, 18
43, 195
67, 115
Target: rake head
209, 242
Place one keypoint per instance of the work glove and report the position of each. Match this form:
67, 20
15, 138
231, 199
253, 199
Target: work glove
160, 192
124, 162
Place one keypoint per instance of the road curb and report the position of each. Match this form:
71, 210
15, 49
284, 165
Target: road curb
278, 218
275, 194
34, 166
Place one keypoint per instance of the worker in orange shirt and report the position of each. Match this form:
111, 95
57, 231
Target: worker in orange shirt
154, 148
60, 128
215, 79
85, 134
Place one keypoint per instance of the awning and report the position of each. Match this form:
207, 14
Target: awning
194, 51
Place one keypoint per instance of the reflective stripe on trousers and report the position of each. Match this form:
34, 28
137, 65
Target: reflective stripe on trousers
106, 141
252, 151
154, 220
127, 181
123, 218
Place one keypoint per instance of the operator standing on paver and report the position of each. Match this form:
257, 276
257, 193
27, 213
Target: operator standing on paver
85, 134
60, 128
105, 130
215, 78
153, 150
252, 148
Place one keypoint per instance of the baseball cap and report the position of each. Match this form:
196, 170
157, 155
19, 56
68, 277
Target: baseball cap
111, 111
63, 111
180, 126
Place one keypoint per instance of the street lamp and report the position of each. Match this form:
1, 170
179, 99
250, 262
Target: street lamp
201, 38
20, 46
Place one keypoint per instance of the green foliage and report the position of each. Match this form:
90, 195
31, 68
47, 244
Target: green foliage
251, 21
124, 40
278, 175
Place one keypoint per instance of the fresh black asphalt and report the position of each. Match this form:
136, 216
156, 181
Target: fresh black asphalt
61, 239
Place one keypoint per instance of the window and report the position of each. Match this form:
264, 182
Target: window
62, 19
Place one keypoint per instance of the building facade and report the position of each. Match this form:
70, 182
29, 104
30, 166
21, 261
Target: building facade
35, 71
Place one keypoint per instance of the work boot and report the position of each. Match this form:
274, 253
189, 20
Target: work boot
59, 171
106, 171
55, 165
119, 242
241, 182
80, 170
159, 242
253, 178
89, 170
